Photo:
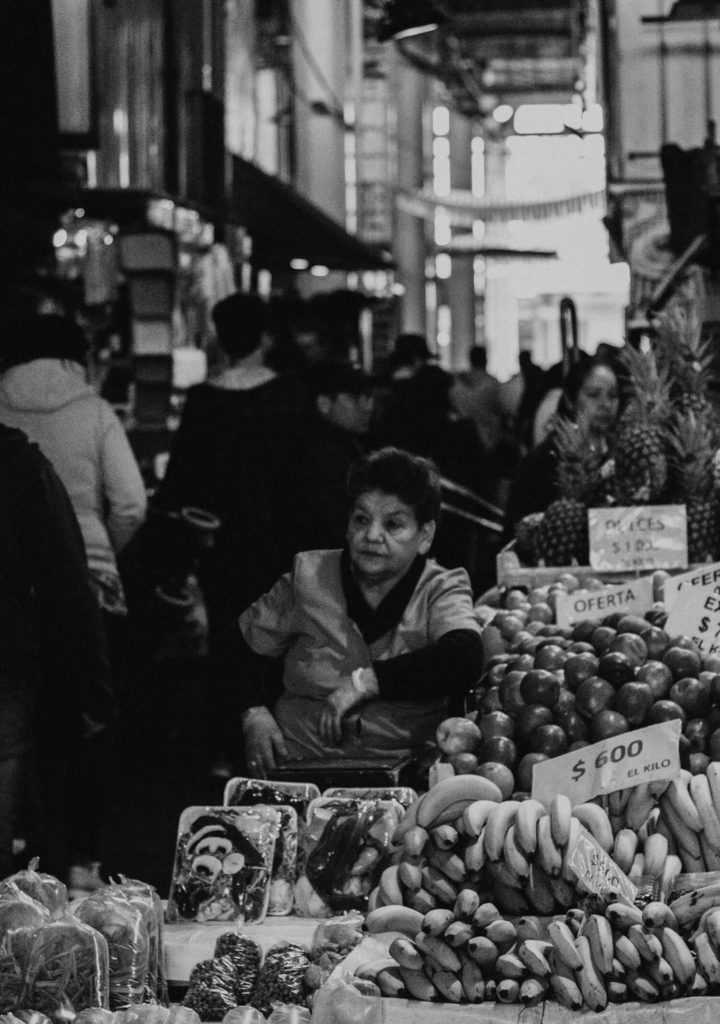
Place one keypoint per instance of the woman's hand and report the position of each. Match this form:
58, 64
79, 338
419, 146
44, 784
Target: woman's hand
263, 742
361, 686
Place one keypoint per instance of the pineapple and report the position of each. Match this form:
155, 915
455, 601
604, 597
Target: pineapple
640, 460
690, 357
692, 444
562, 536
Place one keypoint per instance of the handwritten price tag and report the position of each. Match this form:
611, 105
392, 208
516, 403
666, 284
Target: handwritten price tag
697, 614
633, 596
705, 578
641, 537
595, 870
644, 755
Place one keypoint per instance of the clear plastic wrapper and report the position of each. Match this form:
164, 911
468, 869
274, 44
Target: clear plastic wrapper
212, 988
148, 901
282, 977
124, 927
340, 1003
290, 1015
146, 1013
243, 792
68, 969
46, 889
244, 1015
347, 844
331, 942
96, 1015
30, 1017
20, 918
246, 956
182, 1015
403, 794
223, 864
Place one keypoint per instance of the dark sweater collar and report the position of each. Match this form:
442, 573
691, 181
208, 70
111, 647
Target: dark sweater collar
375, 622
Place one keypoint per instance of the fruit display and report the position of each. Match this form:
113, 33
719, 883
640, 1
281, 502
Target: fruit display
663, 453
559, 688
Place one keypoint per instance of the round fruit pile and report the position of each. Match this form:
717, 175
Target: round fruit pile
558, 688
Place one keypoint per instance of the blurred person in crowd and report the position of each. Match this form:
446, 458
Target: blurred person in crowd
590, 398
44, 392
476, 396
337, 437
55, 688
374, 639
236, 454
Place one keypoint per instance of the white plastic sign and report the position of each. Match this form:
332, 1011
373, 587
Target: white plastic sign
638, 538
706, 578
645, 755
596, 870
697, 614
633, 596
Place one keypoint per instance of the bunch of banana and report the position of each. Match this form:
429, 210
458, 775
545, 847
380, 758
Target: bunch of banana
689, 820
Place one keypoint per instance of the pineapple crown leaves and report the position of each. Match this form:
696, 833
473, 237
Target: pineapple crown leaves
691, 447
578, 465
688, 349
646, 382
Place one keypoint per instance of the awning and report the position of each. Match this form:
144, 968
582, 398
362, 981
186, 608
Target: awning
285, 226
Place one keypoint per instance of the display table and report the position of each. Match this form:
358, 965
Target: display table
187, 943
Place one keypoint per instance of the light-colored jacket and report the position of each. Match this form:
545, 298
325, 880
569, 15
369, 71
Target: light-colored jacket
51, 401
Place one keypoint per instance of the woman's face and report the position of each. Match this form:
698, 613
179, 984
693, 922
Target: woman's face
384, 537
598, 401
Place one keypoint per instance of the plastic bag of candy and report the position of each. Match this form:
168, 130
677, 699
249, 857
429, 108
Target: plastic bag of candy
146, 898
110, 912
290, 1015
68, 969
46, 889
20, 918
282, 977
244, 1015
245, 956
212, 988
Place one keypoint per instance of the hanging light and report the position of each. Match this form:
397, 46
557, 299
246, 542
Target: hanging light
403, 18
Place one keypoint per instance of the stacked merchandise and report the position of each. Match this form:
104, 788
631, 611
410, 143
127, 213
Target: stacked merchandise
665, 451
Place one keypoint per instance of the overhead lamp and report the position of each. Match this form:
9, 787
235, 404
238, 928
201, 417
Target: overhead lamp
404, 18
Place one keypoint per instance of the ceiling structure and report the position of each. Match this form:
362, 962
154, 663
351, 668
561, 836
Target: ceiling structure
489, 52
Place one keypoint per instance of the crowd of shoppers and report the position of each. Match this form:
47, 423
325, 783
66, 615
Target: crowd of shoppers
264, 448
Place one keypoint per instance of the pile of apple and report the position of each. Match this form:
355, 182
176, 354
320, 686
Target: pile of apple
556, 689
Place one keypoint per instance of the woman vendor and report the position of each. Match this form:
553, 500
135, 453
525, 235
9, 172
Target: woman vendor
375, 638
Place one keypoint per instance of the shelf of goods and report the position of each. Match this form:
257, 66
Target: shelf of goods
186, 944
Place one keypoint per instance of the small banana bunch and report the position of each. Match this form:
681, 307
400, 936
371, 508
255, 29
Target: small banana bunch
466, 953
668, 827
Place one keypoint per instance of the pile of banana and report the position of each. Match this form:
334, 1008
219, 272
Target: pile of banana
471, 953
514, 852
677, 822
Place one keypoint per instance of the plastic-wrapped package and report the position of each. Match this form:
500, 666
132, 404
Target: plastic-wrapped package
68, 969
243, 792
148, 901
331, 942
211, 992
180, 1014
246, 956
20, 918
46, 889
341, 1003
347, 846
282, 977
96, 1015
30, 1017
223, 864
146, 1013
244, 1015
123, 925
290, 1015
403, 794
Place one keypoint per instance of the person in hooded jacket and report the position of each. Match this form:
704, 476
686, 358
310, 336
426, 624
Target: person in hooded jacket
54, 674
44, 392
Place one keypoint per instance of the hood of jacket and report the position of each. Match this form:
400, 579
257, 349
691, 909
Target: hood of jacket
43, 385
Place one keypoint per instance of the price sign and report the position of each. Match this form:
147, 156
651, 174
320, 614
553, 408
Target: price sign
644, 755
697, 614
706, 578
634, 596
595, 870
638, 538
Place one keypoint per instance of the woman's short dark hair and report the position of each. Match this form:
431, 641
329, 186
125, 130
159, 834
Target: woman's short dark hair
411, 478
240, 322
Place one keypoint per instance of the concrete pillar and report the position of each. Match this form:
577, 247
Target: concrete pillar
501, 309
461, 289
409, 238
319, 70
